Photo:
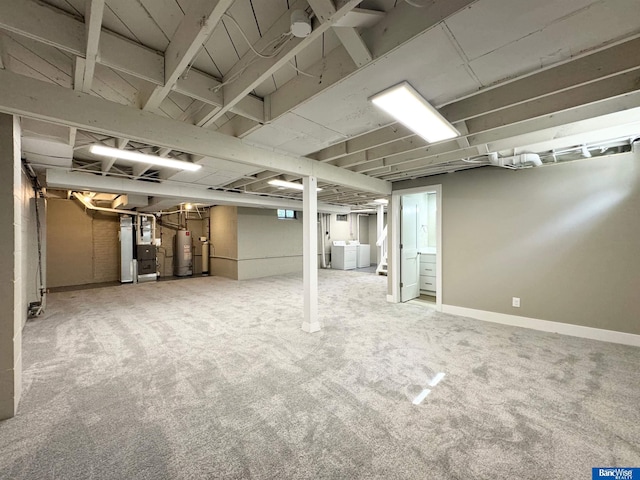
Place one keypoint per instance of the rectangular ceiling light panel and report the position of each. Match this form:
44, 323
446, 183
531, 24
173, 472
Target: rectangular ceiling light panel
407, 106
144, 158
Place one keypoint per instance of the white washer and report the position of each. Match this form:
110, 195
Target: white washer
343, 257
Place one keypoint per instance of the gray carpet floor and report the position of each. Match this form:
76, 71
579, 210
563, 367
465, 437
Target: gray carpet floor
212, 378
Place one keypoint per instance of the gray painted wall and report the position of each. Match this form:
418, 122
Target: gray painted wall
223, 228
564, 238
268, 245
253, 242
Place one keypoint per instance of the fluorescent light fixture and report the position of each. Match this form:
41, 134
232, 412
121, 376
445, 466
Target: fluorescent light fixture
284, 184
409, 107
143, 158
381, 201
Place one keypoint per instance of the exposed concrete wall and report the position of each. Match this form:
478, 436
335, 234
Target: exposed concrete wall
563, 238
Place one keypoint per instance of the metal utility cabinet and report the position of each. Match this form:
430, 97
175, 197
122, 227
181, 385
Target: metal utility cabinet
126, 249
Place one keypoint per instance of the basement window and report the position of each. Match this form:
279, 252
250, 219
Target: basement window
341, 218
287, 214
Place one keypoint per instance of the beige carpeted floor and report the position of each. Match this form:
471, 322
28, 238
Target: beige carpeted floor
212, 378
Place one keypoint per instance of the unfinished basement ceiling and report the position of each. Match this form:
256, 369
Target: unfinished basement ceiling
513, 76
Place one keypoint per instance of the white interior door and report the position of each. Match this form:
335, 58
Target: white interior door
409, 256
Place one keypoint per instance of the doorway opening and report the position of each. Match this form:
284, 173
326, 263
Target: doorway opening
417, 246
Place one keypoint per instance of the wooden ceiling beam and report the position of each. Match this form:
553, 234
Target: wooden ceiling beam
194, 30
33, 98
399, 26
93, 26
603, 74
251, 70
54, 27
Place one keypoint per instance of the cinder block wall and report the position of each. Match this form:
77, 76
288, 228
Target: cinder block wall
106, 247
83, 247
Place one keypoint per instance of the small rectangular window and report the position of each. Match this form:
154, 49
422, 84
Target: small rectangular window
286, 214
341, 218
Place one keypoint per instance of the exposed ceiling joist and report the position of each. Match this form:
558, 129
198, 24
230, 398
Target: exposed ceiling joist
348, 36
588, 118
239, 184
40, 100
181, 192
572, 84
381, 136
239, 127
93, 26
354, 45
399, 26
251, 71
608, 114
53, 27
194, 30
399, 147
581, 95
592, 67
360, 18
550, 111
203, 87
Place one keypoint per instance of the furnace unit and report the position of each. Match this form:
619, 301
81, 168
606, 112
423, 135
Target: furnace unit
147, 269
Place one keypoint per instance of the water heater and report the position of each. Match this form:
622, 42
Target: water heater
183, 254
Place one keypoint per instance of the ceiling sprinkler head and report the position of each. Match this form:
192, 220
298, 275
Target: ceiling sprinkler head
300, 24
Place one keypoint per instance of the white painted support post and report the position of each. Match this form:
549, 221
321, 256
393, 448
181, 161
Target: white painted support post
379, 228
11, 282
310, 254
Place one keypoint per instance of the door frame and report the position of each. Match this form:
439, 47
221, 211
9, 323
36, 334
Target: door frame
395, 240
410, 250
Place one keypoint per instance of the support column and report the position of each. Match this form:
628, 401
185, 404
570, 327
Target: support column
310, 254
379, 228
11, 292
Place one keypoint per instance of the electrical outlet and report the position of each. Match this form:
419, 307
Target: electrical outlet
515, 302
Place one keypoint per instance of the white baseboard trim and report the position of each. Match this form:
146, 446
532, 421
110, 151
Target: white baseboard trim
390, 299
546, 326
